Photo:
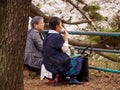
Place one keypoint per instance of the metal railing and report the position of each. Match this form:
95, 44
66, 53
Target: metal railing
113, 34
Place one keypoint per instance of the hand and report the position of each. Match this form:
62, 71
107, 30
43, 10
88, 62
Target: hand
65, 35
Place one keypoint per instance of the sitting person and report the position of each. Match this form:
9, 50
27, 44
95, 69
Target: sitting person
34, 45
55, 46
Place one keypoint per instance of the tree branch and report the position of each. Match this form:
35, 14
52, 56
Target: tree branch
74, 23
36, 11
108, 57
85, 44
83, 13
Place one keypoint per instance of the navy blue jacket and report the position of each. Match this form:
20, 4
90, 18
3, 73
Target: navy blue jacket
55, 60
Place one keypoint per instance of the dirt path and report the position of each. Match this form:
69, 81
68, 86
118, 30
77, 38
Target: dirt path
98, 81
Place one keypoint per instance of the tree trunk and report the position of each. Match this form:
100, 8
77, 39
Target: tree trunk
2, 6
12, 43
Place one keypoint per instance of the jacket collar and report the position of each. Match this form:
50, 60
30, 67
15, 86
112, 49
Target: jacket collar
53, 31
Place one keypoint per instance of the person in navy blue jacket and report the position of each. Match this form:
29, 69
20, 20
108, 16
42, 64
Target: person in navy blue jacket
55, 46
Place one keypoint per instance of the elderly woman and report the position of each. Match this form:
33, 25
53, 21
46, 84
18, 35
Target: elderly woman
34, 45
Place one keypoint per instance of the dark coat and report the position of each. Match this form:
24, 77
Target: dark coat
55, 60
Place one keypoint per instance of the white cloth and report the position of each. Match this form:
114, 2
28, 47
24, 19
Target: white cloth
45, 73
65, 47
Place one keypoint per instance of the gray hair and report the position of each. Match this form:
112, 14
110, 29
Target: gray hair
35, 20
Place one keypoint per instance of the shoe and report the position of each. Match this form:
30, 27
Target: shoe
74, 81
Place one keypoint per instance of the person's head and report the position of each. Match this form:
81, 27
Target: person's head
55, 23
37, 23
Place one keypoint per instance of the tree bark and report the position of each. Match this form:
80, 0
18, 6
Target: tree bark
2, 11
13, 35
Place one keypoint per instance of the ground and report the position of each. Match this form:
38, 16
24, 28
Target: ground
98, 81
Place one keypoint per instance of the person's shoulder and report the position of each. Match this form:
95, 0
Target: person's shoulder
31, 31
34, 31
55, 35
59, 35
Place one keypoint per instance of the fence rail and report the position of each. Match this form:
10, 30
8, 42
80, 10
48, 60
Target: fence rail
105, 69
113, 34
98, 49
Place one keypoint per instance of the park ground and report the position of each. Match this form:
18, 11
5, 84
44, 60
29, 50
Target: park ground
99, 80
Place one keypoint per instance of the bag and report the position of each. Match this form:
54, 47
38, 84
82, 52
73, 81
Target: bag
84, 73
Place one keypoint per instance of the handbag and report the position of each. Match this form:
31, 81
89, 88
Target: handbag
84, 73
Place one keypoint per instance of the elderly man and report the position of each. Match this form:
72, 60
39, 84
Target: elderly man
34, 45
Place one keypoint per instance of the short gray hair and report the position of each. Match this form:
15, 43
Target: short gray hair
35, 20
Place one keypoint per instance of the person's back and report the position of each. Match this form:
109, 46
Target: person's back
34, 45
58, 60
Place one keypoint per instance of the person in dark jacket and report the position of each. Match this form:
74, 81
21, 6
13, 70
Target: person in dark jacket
55, 46
34, 45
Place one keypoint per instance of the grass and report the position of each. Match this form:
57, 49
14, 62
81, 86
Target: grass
99, 61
